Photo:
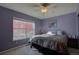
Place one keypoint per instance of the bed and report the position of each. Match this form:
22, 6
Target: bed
50, 43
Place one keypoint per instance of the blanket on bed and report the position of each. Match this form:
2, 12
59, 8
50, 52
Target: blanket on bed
55, 42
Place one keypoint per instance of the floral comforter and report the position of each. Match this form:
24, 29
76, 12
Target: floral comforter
54, 42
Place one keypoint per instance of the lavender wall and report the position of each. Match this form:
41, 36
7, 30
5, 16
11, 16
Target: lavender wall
77, 13
6, 28
78, 25
38, 26
65, 23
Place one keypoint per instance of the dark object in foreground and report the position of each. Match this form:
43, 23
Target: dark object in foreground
47, 51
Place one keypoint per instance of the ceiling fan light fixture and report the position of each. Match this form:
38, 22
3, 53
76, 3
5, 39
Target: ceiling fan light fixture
44, 9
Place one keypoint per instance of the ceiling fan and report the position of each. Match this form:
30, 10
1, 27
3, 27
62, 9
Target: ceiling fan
43, 6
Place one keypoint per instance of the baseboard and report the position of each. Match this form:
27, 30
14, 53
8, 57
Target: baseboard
13, 48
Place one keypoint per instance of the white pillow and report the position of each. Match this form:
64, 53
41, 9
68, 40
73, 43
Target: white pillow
59, 32
50, 33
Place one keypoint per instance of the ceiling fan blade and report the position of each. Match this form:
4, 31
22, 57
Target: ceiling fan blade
35, 5
45, 4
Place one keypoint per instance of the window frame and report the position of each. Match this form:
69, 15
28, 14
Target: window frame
27, 21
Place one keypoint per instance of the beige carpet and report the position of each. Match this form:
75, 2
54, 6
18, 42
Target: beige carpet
26, 50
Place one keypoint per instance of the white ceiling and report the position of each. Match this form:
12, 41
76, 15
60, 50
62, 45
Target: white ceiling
33, 9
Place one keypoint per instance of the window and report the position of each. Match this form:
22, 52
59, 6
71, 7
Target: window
22, 29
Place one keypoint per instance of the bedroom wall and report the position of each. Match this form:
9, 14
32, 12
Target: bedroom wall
78, 18
38, 26
67, 23
78, 25
6, 28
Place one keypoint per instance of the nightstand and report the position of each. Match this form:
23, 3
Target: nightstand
73, 43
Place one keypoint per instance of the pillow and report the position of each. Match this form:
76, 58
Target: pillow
54, 32
59, 33
50, 33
